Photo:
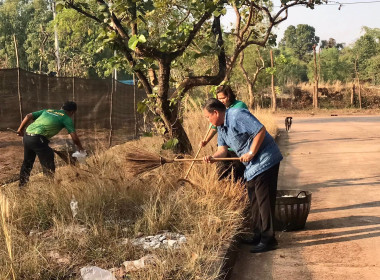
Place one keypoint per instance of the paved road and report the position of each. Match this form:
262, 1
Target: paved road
338, 159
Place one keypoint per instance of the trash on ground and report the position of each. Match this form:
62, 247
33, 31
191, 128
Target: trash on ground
95, 273
140, 263
164, 240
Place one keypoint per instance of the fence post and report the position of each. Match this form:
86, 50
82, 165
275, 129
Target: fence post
18, 79
111, 109
134, 103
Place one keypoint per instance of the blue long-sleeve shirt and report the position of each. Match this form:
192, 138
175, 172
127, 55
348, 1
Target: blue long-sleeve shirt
238, 131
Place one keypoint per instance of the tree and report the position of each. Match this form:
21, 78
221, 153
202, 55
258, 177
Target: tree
333, 66
300, 40
155, 35
331, 43
251, 79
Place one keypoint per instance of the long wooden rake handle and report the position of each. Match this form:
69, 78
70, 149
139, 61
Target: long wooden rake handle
201, 159
196, 155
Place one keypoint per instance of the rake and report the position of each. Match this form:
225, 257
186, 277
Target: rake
139, 161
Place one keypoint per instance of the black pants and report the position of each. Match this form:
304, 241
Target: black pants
262, 196
36, 145
227, 168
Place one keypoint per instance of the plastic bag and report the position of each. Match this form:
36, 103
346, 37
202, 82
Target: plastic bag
95, 273
80, 156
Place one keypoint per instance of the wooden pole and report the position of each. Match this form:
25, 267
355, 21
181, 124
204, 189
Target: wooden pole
73, 96
315, 94
196, 155
134, 103
110, 117
274, 104
18, 79
319, 65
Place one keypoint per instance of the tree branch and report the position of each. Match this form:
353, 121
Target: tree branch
191, 82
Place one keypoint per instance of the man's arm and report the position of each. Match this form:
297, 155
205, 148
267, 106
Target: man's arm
220, 153
28, 118
76, 141
256, 143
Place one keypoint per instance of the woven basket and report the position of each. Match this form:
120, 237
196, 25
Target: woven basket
292, 209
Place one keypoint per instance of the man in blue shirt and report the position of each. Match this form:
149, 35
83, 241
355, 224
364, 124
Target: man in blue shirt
241, 131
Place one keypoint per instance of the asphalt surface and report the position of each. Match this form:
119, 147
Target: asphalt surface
337, 159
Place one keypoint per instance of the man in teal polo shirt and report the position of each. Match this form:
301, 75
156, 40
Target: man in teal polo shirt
47, 123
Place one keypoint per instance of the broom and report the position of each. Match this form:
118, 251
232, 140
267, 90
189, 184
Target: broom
196, 155
65, 156
139, 161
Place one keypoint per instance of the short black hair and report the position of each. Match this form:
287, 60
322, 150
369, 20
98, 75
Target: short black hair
69, 106
214, 104
227, 90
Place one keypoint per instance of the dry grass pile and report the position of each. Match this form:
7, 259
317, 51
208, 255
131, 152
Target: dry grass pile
46, 237
49, 243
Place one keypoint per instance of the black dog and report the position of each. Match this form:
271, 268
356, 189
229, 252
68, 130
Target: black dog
288, 123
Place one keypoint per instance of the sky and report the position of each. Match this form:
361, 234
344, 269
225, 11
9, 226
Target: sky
344, 25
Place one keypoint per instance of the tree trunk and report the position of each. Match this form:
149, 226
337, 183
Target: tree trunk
352, 94
315, 94
173, 126
252, 103
18, 79
274, 103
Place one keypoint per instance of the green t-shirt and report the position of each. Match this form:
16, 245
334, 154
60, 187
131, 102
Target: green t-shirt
237, 104
50, 122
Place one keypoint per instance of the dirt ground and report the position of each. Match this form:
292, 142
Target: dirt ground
337, 159
11, 150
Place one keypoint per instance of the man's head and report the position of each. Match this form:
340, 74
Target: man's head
70, 107
214, 111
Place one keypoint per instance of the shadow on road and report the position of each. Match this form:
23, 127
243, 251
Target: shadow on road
338, 236
347, 182
354, 206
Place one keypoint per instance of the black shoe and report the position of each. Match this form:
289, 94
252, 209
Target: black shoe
250, 240
264, 247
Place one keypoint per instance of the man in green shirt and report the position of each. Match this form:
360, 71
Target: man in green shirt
47, 123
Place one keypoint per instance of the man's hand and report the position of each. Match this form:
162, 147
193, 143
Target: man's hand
246, 157
20, 132
208, 159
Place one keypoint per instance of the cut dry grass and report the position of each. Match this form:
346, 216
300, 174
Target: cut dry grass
46, 242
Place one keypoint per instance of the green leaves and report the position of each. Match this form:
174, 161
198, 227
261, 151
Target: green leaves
141, 107
134, 40
170, 144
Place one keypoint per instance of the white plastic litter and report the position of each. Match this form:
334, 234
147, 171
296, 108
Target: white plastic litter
95, 273
74, 207
140, 263
80, 156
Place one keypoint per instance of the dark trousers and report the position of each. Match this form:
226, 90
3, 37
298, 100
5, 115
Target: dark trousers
262, 196
227, 168
36, 145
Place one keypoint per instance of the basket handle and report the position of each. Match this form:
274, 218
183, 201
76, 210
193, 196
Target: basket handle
300, 193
